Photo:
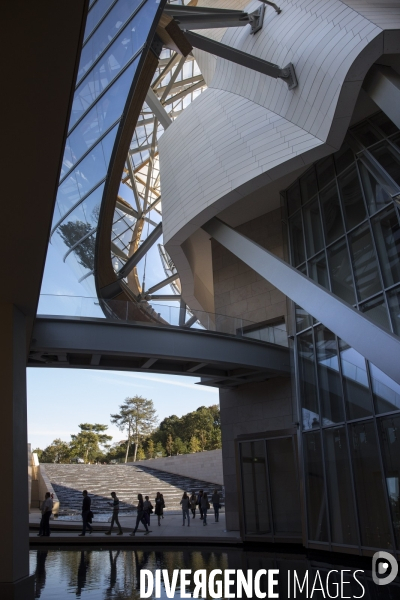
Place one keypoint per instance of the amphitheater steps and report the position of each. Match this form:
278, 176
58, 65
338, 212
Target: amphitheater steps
127, 481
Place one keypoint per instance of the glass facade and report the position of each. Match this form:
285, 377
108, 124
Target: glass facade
344, 233
115, 38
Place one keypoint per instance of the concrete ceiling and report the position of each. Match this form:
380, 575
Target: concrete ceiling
41, 44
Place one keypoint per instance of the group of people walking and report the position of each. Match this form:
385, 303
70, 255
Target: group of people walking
144, 509
200, 500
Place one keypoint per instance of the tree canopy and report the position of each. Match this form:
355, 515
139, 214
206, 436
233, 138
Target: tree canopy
138, 417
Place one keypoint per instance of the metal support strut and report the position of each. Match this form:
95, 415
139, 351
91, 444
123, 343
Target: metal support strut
242, 58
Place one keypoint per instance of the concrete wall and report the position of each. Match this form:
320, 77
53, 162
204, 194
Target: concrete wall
240, 291
202, 465
252, 408
45, 486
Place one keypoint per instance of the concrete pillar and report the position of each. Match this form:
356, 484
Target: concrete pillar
15, 583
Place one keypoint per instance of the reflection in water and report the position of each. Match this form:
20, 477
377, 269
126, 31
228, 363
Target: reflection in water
40, 572
115, 574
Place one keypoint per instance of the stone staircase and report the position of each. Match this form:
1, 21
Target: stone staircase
127, 481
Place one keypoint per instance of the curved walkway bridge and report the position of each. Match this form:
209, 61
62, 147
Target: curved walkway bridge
220, 360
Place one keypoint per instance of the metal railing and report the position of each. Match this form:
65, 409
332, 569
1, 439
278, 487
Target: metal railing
162, 315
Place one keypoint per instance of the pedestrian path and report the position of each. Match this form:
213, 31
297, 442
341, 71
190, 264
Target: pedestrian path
126, 480
170, 530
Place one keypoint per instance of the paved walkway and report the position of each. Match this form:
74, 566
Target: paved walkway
170, 531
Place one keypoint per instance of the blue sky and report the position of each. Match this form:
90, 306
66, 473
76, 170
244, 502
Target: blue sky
60, 399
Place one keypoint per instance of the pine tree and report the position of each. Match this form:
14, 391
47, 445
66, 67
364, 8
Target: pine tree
138, 416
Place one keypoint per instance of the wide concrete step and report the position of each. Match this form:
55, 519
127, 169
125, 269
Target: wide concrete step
127, 481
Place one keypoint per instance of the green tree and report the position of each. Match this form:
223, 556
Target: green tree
88, 441
160, 451
194, 444
57, 452
140, 455
169, 446
150, 448
202, 435
179, 446
138, 417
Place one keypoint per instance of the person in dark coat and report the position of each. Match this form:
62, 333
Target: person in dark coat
216, 502
193, 503
114, 518
185, 503
204, 506
159, 506
141, 517
86, 513
199, 497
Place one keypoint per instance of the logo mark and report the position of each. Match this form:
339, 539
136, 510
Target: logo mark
384, 568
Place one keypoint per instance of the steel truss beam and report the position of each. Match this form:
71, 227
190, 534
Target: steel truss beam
140, 252
377, 345
160, 285
198, 17
242, 58
158, 109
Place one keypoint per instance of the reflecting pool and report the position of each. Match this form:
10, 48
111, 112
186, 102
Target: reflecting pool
100, 574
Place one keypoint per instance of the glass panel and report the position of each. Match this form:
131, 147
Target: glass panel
386, 391
396, 141
376, 310
92, 169
85, 214
390, 434
315, 488
325, 171
308, 185
308, 388
296, 235
366, 273
343, 158
352, 200
375, 194
374, 523
355, 382
95, 165
393, 299
318, 271
255, 488
387, 238
331, 213
103, 114
366, 134
109, 28
95, 14
284, 486
293, 198
303, 319
330, 390
313, 228
81, 260
340, 494
384, 123
387, 156
111, 64
341, 276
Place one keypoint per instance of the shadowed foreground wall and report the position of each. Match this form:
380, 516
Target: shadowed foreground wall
252, 408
